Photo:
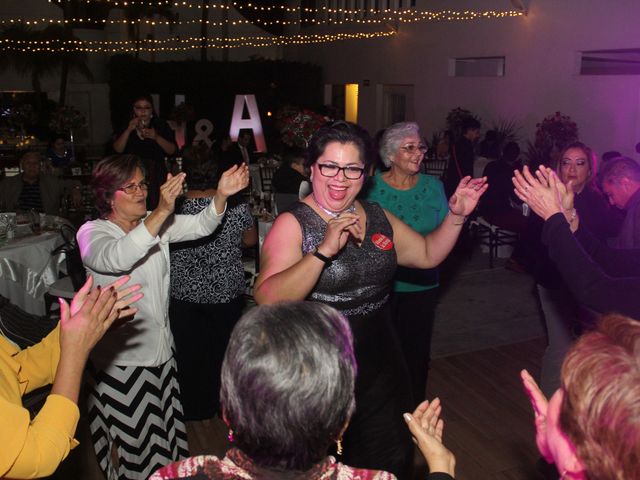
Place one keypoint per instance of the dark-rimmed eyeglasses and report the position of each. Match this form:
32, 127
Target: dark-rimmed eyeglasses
411, 149
350, 172
134, 187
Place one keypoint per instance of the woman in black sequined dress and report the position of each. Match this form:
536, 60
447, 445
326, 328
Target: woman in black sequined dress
337, 250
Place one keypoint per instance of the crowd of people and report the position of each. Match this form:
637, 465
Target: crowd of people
326, 377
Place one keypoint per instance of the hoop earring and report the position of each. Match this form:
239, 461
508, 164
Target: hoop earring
339, 446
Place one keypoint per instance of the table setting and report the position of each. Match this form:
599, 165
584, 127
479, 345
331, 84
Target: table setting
27, 266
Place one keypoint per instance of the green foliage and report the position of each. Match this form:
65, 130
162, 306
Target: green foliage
506, 131
455, 120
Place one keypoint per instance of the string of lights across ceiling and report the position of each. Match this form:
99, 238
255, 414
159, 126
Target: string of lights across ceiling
210, 42
403, 16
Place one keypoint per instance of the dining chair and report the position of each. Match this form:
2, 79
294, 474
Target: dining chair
266, 177
492, 237
66, 287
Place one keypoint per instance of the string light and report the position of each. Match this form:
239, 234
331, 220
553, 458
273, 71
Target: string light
404, 16
215, 43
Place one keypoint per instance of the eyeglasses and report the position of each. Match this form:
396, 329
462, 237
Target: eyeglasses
351, 173
134, 187
411, 149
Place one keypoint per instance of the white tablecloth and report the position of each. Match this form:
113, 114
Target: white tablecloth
27, 269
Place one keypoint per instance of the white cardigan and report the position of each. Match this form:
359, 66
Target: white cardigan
108, 253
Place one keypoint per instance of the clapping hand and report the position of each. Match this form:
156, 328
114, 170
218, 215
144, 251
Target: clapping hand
540, 405
465, 199
125, 296
92, 312
544, 193
233, 180
427, 427
170, 191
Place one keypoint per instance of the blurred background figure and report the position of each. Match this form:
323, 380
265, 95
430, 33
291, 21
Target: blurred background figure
57, 153
151, 139
35, 190
288, 177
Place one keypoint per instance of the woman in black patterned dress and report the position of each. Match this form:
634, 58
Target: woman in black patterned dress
334, 249
207, 283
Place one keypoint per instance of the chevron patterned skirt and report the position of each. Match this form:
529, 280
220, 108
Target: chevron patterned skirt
135, 418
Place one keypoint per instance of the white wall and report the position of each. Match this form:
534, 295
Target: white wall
540, 51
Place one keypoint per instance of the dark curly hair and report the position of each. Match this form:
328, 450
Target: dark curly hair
342, 132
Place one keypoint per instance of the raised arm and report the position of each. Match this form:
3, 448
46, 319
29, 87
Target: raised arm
415, 251
285, 274
585, 278
36, 448
120, 143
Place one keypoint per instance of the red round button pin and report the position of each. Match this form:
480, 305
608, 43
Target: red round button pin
382, 241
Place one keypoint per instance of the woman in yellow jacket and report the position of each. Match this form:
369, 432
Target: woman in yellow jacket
35, 448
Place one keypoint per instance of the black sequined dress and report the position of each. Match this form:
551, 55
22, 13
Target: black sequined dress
357, 283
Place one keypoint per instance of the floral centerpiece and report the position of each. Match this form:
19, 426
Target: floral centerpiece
298, 125
556, 130
67, 119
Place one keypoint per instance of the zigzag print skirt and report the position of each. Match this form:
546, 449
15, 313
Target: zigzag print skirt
135, 418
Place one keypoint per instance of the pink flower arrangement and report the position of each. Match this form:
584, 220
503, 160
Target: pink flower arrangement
298, 126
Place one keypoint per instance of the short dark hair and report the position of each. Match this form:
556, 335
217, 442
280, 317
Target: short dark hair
618, 168
293, 155
342, 132
610, 155
200, 167
109, 174
510, 152
470, 123
288, 383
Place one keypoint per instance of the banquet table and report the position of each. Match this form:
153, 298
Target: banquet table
27, 268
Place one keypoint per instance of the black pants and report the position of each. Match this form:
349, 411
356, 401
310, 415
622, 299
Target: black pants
201, 332
413, 315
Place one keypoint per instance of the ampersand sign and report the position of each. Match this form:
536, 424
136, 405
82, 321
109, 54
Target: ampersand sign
203, 128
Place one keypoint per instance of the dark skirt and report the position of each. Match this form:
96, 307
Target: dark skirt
377, 437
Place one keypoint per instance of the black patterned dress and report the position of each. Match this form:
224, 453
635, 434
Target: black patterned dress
357, 283
207, 283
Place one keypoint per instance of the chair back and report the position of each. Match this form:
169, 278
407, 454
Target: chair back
435, 167
73, 260
266, 176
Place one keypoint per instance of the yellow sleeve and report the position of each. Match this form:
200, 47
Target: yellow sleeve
35, 449
38, 364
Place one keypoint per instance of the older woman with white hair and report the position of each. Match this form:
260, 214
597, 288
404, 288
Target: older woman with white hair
419, 201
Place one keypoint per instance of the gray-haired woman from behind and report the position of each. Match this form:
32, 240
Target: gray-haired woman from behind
287, 394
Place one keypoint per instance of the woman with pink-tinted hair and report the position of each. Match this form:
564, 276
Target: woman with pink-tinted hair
591, 426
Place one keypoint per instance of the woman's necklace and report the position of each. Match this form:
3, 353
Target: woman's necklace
331, 213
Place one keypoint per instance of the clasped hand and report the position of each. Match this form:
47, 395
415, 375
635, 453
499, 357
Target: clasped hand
339, 230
